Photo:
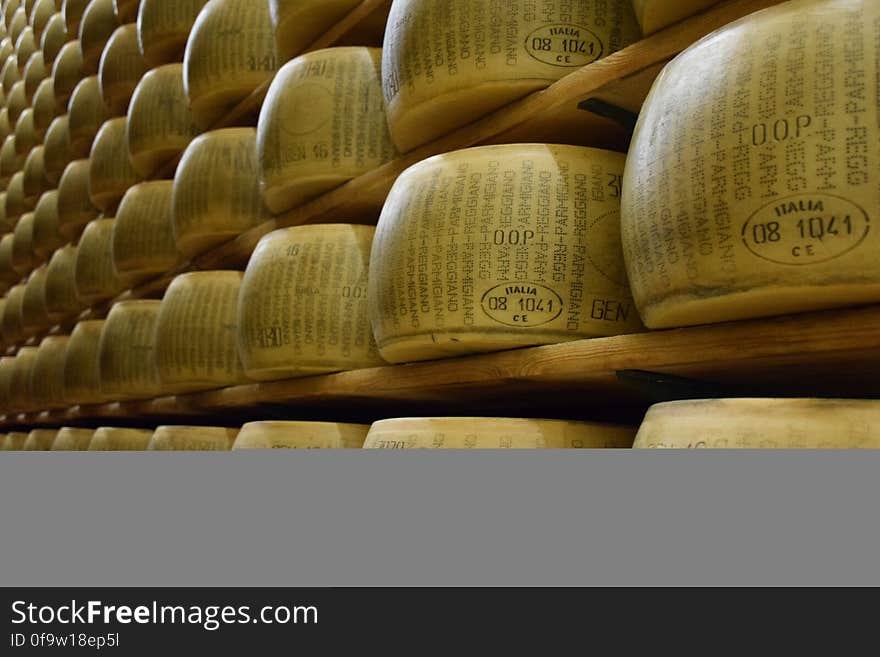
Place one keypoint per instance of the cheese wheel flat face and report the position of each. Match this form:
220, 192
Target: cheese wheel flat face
122, 67
322, 124
16, 101
447, 63
126, 10
45, 107
10, 75
20, 383
753, 194
196, 333
66, 71
72, 440
98, 24
95, 278
12, 331
216, 190
34, 74
160, 123
762, 424
127, 351
23, 259
34, 316
40, 440
654, 15
299, 23
25, 46
496, 433
6, 49
15, 442
193, 439
16, 202
164, 27
86, 114
110, 172
9, 9
75, 207
35, 182
82, 372
73, 10
25, 135
500, 247
17, 24
47, 376
230, 52
143, 242
10, 163
54, 38
301, 435
110, 439
61, 298
41, 13
58, 152
303, 303
47, 238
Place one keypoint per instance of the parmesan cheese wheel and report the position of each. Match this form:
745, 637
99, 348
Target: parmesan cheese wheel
6, 49
7, 274
496, 433
25, 46
41, 13
323, 123
98, 23
193, 439
75, 208
94, 276
15, 442
143, 242
216, 190
82, 374
86, 113
34, 316
54, 38
9, 9
66, 71
5, 226
16, 101
40, 440
500, 247
35, 183
46, 237
12, 332
230, 52
5, 127
301, 435
47, 376
110, 172
58, 153
34, 74
160, 124
447, 63
127, 351
19, 384
16, 203
111, 439
25, 135
752, 194
297, 24
122, 67
303, 303
762, 424
10, 75
126, 10
23, 258
72, 440
164, 27
45, 107
17, 24
196, 333
73, 10
10, 163
7, 364
61, 298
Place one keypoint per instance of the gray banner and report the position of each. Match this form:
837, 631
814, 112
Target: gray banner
312, 518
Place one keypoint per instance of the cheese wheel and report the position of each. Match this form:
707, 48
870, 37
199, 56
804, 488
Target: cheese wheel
72, 440
216, 190
126, 10
58, 153
654, 15
19, 384
753, 194
5, 126
196, 333
98, 23
301, 435
40, 440
193, 439
34, 74
17, 24
127, 349
25, 134
122, 67
447, 63
14, 442
7, 364
66, 71
496, 433
143, 241
35, 182
164, 27
111, 439
54, 38
47, 376
61, 298
86, 113
16, 203
75, 208
762, 424
9, 9
322, 124
46, 237
23, 259
160, 124
303, 303
11, 319
16, 101
34, 316
7, 274
82, 373
41, 13
298, 24
10, 162
25, 46
230, 52
94, 276
5, 226
73, 10
6, 49
500, 247
45, 107
110, 170
10, 75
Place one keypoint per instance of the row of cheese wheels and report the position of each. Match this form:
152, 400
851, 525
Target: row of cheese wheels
706, 424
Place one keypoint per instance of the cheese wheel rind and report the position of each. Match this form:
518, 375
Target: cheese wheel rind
301, 435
